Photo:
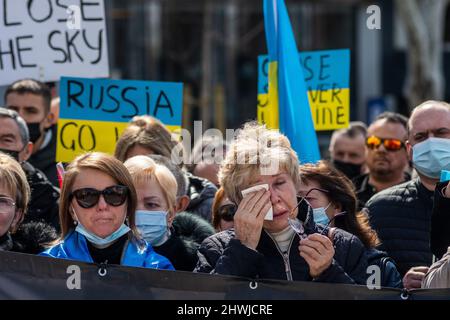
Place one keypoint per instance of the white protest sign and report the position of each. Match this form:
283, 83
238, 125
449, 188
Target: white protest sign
47, 39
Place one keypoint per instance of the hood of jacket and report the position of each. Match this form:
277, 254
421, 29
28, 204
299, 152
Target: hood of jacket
33, 237
191, 230
201, 193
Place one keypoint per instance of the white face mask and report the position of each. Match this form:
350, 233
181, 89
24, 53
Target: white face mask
432, 156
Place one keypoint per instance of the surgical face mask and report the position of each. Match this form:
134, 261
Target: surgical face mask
153, 226
12, 153
320, 215
96, 240
34, 131
431, 156
349, 169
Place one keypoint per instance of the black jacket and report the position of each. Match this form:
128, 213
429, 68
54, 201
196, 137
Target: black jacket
390, 277
223, 254
401, 215
44, 202
32, 238
365, 191
201, 192
188, 232
45, 159
440, 222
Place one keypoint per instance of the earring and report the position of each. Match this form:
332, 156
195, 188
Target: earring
75, 222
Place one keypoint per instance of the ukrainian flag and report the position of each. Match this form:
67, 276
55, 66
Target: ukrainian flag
288, 104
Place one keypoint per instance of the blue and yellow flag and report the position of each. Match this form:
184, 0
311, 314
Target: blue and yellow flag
287, 94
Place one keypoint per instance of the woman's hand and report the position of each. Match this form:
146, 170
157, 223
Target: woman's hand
249, 217
318, 251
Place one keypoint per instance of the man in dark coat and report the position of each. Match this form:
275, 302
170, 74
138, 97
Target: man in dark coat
31, 100
401, 215
387, 158
14, 140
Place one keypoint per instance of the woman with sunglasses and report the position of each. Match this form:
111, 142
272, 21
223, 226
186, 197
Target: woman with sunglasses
264, 243
176, 236
330, 195
223, 211
97, 216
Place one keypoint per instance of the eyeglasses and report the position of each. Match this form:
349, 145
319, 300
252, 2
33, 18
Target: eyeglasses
297, 225
88, 197
227, 211
373, 142
6, 205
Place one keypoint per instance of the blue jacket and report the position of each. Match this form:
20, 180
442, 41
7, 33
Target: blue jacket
74, 247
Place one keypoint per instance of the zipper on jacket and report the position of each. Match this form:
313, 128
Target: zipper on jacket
285, 256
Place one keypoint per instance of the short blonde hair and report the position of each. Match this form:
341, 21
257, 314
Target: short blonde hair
144, 169
252, 151
148, 132
13, 178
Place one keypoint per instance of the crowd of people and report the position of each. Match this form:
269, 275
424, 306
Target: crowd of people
377, 201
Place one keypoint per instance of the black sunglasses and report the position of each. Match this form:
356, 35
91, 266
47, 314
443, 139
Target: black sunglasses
88, 197
227, 211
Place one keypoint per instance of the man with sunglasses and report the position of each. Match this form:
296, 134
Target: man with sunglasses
402, 215
387, 159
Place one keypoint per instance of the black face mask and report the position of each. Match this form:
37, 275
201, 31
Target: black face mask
303, 209
12, 153
349, 169
34, 131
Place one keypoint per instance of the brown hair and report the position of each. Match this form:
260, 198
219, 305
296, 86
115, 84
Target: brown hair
218, 197
147, 132
13, 178
341, 192
106, 164
31, 86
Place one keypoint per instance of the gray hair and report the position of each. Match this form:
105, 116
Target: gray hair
23, 129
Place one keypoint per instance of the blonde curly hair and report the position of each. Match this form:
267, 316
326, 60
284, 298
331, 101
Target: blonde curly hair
256, 151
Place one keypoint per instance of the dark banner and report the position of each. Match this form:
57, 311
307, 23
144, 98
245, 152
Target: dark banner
25, 276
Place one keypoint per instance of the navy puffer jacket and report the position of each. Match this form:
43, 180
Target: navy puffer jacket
401, 215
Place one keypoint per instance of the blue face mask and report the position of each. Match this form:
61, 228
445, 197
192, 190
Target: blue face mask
101, 242
320, 215
431, 156
153, 226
